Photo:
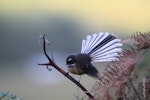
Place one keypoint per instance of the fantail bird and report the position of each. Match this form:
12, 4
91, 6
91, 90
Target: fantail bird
101, 47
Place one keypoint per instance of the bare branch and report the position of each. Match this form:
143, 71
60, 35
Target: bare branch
53, 64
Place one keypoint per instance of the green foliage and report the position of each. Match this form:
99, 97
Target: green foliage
8, 96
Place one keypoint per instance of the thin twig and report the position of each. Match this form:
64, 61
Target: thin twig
144, 52
134, 89
52, 63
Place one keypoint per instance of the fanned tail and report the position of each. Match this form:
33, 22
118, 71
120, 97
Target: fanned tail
102, 47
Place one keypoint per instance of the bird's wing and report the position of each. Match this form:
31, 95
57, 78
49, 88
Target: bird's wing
101, 47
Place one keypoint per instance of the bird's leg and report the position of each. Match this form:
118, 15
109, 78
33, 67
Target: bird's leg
78, 90
79, 78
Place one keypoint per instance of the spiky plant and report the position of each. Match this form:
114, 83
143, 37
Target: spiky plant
117, 75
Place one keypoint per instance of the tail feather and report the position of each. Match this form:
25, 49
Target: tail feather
106, 51
91, 42
101, 47
103, 43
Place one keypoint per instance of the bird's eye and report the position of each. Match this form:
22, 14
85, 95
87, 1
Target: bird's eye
71, 60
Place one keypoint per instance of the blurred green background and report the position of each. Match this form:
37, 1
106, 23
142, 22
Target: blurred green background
66, 23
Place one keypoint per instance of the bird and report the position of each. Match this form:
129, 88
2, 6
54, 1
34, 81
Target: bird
98, 47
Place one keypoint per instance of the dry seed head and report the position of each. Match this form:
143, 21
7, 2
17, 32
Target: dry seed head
117, 72
141, 40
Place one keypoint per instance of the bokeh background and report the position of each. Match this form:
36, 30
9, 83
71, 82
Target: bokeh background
65, 23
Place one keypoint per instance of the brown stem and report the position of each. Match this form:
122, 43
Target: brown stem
52, 63
134, 89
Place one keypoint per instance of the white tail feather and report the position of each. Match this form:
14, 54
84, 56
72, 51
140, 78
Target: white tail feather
101, 47
94, 37
106, 59
109, 53
107, 49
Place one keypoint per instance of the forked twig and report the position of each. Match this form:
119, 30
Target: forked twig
52, 63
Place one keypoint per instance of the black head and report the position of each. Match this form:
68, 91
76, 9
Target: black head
71, 60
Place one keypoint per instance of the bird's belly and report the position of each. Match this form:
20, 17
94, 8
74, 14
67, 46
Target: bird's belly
75, 70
